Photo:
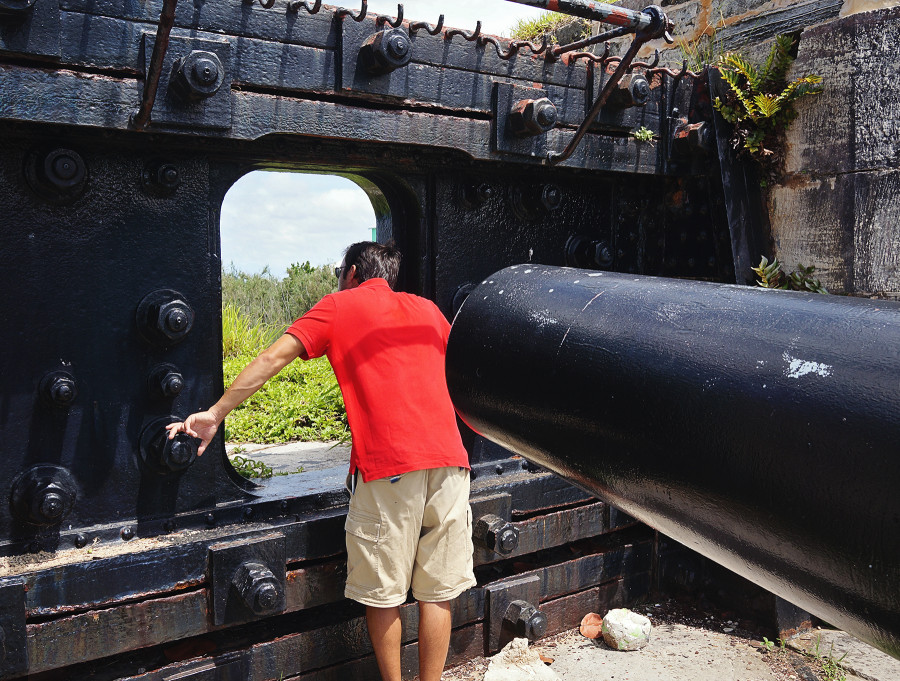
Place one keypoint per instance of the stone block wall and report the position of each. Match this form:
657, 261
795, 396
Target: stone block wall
838, 207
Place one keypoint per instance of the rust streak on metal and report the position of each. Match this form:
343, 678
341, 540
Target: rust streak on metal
160, 45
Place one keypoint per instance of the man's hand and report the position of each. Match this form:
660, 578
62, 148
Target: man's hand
202, 425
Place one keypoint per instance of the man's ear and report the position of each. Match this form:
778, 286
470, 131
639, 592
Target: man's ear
351, 275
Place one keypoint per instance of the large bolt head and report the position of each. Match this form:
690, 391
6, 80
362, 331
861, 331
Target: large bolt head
180, 454
165, 456
545, 113
551, 197
603, 255
43, 495
260, 590
167, 176
171, 384
640, 90
198, 75
64, 169
59, 388
530, 117
535, 625
265, 597
206, 71
398, 46
164, 317
385, 51
508, 540
52, 505
174, 319
527, 621
496, 534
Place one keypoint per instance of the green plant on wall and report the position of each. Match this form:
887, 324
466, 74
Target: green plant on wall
643, 134
772, 276
534, 29
759, 100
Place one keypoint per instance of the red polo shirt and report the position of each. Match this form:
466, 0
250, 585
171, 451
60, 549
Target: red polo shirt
387, 350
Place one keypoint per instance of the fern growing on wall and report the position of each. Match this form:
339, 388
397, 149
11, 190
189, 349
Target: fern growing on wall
759, 100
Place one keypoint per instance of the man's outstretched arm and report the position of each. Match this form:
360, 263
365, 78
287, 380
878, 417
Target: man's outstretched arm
204, 424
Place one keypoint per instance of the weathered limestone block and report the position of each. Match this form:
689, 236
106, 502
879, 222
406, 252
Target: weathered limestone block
855, 123
847, 226
812, 223
839, 206
856, 6
771, 22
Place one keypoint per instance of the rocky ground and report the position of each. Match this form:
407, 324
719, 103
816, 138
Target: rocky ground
688, 644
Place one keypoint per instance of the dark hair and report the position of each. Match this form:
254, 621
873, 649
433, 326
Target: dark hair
374, 260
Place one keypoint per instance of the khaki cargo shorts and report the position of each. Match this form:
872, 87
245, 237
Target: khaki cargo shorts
411, 530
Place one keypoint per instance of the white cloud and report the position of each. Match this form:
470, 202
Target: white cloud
275, 219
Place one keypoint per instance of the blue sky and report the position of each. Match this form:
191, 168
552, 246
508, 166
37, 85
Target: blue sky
275, 219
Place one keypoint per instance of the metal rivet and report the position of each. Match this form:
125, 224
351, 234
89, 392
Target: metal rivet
127, 533
81, 540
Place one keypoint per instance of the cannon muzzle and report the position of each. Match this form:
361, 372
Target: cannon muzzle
759, 428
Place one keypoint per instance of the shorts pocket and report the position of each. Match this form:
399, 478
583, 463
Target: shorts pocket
363, 525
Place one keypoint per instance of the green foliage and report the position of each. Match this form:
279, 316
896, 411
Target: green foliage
704, 49
534, 29
831, 668
274, 303
759, 101
643, 134
303, 402
250, 468
769, 645
771, 276
241, 336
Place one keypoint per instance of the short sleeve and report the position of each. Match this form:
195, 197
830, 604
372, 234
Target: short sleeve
315, 328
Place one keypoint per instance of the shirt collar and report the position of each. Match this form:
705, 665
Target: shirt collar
376, 281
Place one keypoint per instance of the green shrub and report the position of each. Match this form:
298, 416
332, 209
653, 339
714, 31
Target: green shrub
303, 402
274, 303
534, 29
240, 336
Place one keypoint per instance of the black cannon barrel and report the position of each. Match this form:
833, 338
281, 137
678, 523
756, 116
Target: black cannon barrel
760, 428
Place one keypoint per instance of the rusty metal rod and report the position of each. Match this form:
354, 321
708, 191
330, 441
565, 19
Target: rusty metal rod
595, 11
160, 45
593, 40
608, 87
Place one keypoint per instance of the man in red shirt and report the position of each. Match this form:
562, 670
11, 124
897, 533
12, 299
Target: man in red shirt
409, 522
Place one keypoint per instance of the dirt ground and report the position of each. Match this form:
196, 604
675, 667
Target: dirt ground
699, 645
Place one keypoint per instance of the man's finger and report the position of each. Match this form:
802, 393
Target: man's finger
174, 429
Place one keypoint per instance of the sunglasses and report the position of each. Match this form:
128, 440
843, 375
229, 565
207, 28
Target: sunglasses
337, 271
